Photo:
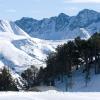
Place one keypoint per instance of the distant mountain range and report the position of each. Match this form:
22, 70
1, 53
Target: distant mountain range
84, 24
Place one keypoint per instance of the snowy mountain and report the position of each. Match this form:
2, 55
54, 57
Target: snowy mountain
19, 51
62, 26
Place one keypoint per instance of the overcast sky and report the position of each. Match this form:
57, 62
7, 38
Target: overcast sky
38, 9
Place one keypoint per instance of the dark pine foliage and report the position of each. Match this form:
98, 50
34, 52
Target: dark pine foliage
30, 76
70, 57
6, 81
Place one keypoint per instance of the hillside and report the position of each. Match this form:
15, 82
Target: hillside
19, 51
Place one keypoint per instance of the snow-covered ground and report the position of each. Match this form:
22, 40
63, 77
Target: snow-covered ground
78, 83
49, 95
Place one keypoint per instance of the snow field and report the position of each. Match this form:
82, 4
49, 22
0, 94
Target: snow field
48, 95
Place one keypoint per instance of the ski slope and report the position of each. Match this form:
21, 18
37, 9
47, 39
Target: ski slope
48, 95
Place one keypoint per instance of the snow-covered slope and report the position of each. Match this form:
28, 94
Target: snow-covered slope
62, 26
78, 82
19, 51
9, 54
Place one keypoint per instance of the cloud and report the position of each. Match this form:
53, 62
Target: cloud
10, 10
72, 10
82, 1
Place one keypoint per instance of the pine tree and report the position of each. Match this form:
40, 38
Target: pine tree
30, 75
6, 81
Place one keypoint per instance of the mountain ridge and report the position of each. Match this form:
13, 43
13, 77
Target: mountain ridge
61, 26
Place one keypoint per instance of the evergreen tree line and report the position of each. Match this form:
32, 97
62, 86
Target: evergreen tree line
70, 57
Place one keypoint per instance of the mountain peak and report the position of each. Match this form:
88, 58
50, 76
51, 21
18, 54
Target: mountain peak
62, 15
28, 19
87, 11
